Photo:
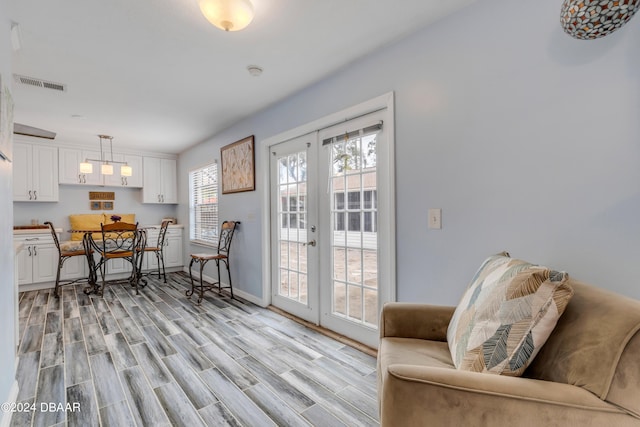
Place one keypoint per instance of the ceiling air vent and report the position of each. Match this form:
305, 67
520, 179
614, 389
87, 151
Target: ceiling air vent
32, 81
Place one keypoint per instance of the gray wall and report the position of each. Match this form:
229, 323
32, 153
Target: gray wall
74, 199
7, 351
527, 139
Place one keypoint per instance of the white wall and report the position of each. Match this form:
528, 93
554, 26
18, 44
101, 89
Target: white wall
7, 320
527, 139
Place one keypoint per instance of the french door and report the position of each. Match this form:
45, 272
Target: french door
325, 214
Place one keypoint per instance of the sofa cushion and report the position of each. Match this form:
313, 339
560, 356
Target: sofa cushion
506, 315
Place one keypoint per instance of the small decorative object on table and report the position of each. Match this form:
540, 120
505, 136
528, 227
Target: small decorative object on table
115, 218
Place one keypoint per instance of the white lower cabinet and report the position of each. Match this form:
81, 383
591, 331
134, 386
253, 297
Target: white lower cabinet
37, 262
38, 259
172, 251
74, 268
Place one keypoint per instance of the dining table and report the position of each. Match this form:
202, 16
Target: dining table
128, 246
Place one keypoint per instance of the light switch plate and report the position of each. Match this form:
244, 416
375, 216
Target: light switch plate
435, 218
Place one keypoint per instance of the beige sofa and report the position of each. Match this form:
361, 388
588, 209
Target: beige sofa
587, 373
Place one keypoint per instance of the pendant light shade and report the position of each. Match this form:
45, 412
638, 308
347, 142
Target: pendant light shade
86, 167
228, 15
106, 169
126, 170
106, 165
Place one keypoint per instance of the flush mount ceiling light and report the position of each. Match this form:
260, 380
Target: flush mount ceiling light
592, 19
254, 70
106, 166
228, 15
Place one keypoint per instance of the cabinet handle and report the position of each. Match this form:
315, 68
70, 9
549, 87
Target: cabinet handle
84, 178
35, 195
126, 181
79, 178
163, 198
35, 252
29, 248
30, 195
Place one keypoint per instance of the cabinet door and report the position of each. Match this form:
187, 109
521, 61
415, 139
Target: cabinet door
45, 174
151, 190
25, 263
169, 183
69, 160
173, 251
115, 266
22, 175
135, 180
45, 263
74, 268
114, 180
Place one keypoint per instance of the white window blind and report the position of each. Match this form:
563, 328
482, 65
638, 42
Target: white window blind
203, 205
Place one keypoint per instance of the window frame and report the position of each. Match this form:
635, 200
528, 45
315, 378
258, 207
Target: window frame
196, 226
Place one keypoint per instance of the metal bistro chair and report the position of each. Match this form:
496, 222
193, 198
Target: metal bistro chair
158, 250
224, 245
120, 240
66, 250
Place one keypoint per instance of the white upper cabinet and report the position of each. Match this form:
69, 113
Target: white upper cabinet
160, 184
35, 173
69, 162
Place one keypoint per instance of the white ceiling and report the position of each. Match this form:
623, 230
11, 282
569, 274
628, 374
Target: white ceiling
157, 76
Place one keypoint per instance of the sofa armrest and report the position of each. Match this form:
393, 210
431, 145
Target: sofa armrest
411, 394
420, 321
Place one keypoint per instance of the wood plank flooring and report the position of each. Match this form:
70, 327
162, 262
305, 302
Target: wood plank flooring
157, 359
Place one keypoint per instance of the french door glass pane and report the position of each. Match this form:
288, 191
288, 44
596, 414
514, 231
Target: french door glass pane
292, 176
354, 229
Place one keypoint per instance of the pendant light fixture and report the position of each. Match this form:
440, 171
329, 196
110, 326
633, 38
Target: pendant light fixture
228, 15
106, 166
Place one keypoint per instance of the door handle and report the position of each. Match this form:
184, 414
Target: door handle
310, 243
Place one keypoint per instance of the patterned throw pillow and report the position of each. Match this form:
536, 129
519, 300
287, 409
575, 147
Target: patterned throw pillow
506, 315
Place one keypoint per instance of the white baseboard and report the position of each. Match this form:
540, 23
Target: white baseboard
239, 292
13, 395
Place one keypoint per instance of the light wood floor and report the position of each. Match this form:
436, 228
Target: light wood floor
157, 359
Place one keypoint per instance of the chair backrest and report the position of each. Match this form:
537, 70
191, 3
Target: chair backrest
226, 234
119, 237
163, 232
55, 236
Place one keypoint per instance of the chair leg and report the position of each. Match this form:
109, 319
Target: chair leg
56, 290
219, 278
226, 262
164, 274
202, 264
188, 293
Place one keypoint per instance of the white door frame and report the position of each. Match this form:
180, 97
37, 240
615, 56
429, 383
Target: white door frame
388, 253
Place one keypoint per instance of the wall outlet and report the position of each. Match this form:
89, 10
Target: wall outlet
435, 218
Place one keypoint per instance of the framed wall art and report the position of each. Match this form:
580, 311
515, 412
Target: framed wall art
238, 166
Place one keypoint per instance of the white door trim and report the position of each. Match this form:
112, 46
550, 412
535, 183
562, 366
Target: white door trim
385, 101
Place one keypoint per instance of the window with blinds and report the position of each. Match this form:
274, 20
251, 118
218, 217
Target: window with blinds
203, 205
